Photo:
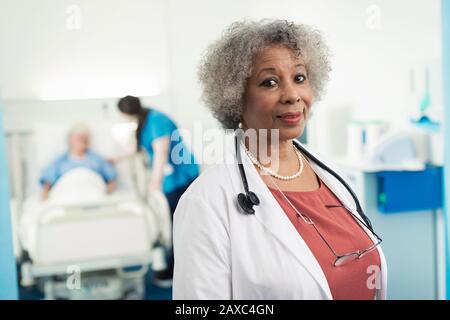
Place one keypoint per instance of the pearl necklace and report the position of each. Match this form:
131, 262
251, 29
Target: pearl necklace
256, 162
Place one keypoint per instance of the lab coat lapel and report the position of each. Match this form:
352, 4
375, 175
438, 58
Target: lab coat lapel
271, 215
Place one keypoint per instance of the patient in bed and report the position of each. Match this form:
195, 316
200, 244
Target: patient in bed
79, 170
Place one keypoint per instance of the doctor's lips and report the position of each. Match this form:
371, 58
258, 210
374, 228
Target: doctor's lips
290, 117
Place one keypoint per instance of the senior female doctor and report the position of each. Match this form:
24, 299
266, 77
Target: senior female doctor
294, 231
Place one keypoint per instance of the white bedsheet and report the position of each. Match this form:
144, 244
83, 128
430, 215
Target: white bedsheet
78, 185
84, 188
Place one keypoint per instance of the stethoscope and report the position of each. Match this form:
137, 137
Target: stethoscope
249, 199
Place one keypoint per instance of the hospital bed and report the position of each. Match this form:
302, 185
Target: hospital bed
97, 248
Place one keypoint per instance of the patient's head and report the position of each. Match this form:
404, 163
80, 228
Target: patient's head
79, 139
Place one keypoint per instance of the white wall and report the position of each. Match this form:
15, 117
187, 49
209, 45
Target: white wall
61, 49
134, 47
371, 66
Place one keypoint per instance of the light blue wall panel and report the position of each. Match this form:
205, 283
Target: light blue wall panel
446, 65
8, 279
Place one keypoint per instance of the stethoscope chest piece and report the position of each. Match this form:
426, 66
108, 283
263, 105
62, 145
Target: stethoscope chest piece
253, 198
247, 201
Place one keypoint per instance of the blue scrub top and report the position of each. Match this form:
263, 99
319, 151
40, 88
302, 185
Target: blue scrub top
182, 162
66, 162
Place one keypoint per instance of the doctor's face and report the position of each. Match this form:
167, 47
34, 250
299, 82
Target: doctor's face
278, 94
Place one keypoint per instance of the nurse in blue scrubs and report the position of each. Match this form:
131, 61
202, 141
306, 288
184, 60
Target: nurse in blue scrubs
173, 165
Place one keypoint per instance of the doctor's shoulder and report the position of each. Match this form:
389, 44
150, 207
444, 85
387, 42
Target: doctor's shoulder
211, 184
209, 194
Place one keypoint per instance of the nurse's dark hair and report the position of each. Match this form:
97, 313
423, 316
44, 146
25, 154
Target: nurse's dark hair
132, 106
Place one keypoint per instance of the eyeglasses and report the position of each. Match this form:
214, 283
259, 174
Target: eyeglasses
342, 259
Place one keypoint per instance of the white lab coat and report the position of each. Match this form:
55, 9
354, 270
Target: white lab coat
222, 253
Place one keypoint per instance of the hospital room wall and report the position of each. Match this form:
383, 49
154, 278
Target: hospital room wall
73, 57
8, 277
370, 65
19, 113
160, 48
62, 50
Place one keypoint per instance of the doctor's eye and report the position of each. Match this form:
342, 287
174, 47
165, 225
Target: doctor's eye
269, 83
300, 78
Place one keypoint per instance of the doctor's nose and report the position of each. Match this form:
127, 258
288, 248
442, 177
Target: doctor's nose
290, 95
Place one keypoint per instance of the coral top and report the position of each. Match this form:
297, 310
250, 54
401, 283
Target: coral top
353, 280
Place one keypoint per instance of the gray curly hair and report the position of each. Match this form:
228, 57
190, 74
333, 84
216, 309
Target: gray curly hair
228, 62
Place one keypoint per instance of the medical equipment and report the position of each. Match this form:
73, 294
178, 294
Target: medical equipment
249, 199
362, 136
399, 150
